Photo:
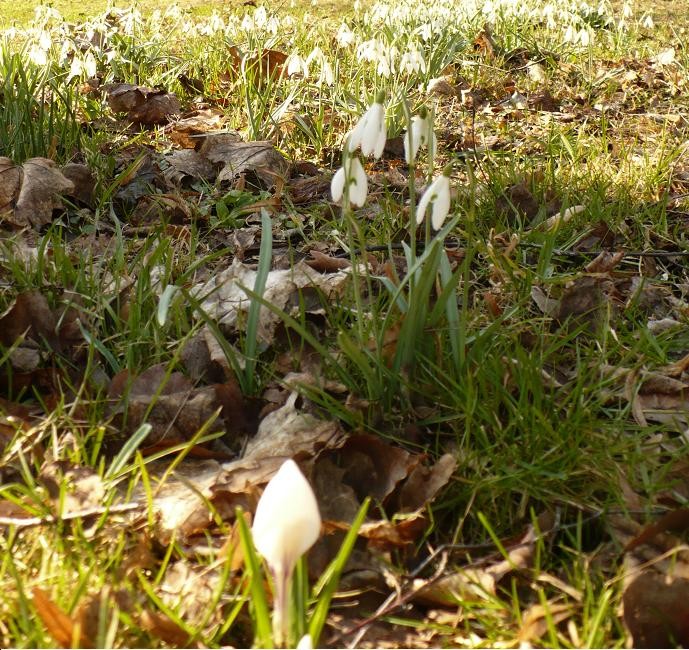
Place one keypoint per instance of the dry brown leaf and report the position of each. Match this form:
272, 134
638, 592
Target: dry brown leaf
476, 582
423, 483
188, 131
226, 302
10, 182
187, 166
240, 158
660, 398
59, 625
538, 618
153, 209
175, 409
163, 627
284, 433
75, 487
656, 610
28, 313
29, 193
307, 190
325, 263
83, 180
143, 105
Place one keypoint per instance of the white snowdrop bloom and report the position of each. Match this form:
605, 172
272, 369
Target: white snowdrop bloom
247, 23
570, 34
316, 54
647, 22
75, 68
305, 643
370, 133
260, 17
426, 31
286, 525
45, 40
420, 133
38, 55
345, 36
90, 66
436, 195
627, 10
327, 75
584, 36
296, 65
412, 61
353, 171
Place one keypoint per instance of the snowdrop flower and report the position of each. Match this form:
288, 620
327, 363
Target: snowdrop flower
296, 65
412, 61
370, 133
437, 194
420, 133
305, 643
352, 171
345, 36
326, 71
286, 525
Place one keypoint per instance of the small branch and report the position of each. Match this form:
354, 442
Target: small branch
28, 522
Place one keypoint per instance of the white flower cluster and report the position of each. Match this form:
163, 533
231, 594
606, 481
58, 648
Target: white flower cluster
369, 135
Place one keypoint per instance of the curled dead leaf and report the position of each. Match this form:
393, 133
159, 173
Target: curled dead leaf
29, 193
143, 105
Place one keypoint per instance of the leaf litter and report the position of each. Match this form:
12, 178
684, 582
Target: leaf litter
191, 503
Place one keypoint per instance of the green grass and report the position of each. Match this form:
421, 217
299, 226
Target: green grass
436, 348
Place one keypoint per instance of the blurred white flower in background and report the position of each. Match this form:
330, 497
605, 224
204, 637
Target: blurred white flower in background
345, 36
412, 61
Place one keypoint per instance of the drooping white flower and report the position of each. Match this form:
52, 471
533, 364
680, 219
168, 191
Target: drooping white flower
345, 36
420, 133
370, 134
412, 61
286, 525
436, 195
296, 65
353, 171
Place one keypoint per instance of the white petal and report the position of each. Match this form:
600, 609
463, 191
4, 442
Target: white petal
305, 643
380, 143
423, 204
374, 131
337, 184
359, 183
356, 135
441, 205
409, 148
287, 521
